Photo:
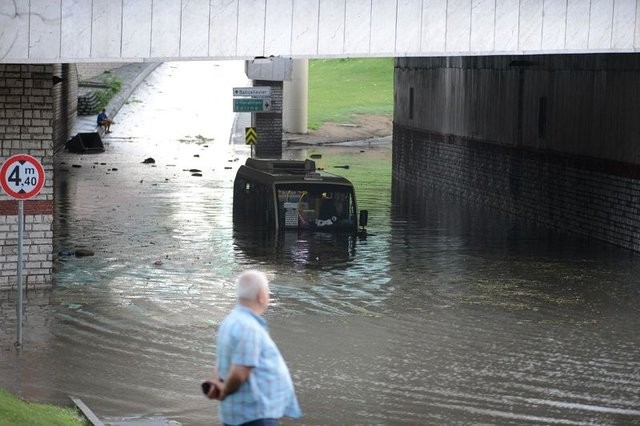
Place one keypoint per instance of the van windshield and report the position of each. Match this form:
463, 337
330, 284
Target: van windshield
315, 206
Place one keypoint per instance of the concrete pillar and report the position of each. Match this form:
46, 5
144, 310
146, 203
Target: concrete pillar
27, 127
296, 98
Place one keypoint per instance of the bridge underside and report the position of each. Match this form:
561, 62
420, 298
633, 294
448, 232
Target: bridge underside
552, 139
71, 31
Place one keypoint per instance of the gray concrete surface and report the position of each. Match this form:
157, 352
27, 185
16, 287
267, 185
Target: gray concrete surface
131, 30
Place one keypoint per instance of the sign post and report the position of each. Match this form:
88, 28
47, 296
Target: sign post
21, 177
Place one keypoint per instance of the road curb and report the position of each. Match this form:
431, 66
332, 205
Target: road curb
86, 411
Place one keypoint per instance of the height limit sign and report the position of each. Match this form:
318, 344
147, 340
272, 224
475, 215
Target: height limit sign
22, 177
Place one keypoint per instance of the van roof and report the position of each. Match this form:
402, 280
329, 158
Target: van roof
288, 171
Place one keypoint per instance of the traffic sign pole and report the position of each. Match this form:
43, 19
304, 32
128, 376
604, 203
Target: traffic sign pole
20, 263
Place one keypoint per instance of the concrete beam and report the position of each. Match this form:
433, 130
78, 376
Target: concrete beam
54, 31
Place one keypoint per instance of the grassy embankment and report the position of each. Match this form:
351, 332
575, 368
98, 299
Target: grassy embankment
340, 88
113, 86
14, 411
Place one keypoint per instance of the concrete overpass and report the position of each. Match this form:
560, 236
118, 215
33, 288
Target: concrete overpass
490, 105
58, 31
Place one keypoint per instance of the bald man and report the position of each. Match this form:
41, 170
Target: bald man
252, 380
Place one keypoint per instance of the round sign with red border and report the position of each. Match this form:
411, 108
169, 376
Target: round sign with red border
22, 176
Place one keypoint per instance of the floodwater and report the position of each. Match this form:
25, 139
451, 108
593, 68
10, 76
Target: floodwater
444, 314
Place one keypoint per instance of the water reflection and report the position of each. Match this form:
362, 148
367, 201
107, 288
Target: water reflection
314, 250
445, 314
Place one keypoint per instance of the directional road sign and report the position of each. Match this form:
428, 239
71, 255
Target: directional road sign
22, 177
251, 104
250, 135
256, 91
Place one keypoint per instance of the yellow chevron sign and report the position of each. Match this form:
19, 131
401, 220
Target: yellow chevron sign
250, 135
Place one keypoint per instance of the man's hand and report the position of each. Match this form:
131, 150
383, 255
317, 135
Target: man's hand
214, 385
214, 389
238, 374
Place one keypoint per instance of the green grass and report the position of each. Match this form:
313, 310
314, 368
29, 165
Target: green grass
340, 88
370, 172
105, 95
14, 411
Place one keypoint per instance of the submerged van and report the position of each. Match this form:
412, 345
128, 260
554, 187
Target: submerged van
292, 194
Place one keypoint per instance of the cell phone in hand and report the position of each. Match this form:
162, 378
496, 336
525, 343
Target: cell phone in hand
206, 388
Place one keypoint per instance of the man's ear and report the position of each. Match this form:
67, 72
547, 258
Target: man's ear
262, 297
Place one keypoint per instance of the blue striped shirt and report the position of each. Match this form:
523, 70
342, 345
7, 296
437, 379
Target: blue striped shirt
243, 339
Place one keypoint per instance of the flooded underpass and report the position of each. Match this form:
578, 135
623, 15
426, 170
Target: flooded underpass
444, 313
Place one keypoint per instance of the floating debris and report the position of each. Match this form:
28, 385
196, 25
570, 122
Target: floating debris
84, 252
346, 166
316, 156
198, 139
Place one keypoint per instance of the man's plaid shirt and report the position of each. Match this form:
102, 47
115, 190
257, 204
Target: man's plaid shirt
243, 339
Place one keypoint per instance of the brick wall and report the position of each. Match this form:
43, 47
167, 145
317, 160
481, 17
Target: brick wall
269, 124
27, 127
595, 198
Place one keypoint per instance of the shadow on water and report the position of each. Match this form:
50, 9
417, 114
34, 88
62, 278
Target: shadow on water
300, 250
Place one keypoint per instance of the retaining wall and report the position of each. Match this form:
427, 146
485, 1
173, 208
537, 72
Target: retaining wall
551, 139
